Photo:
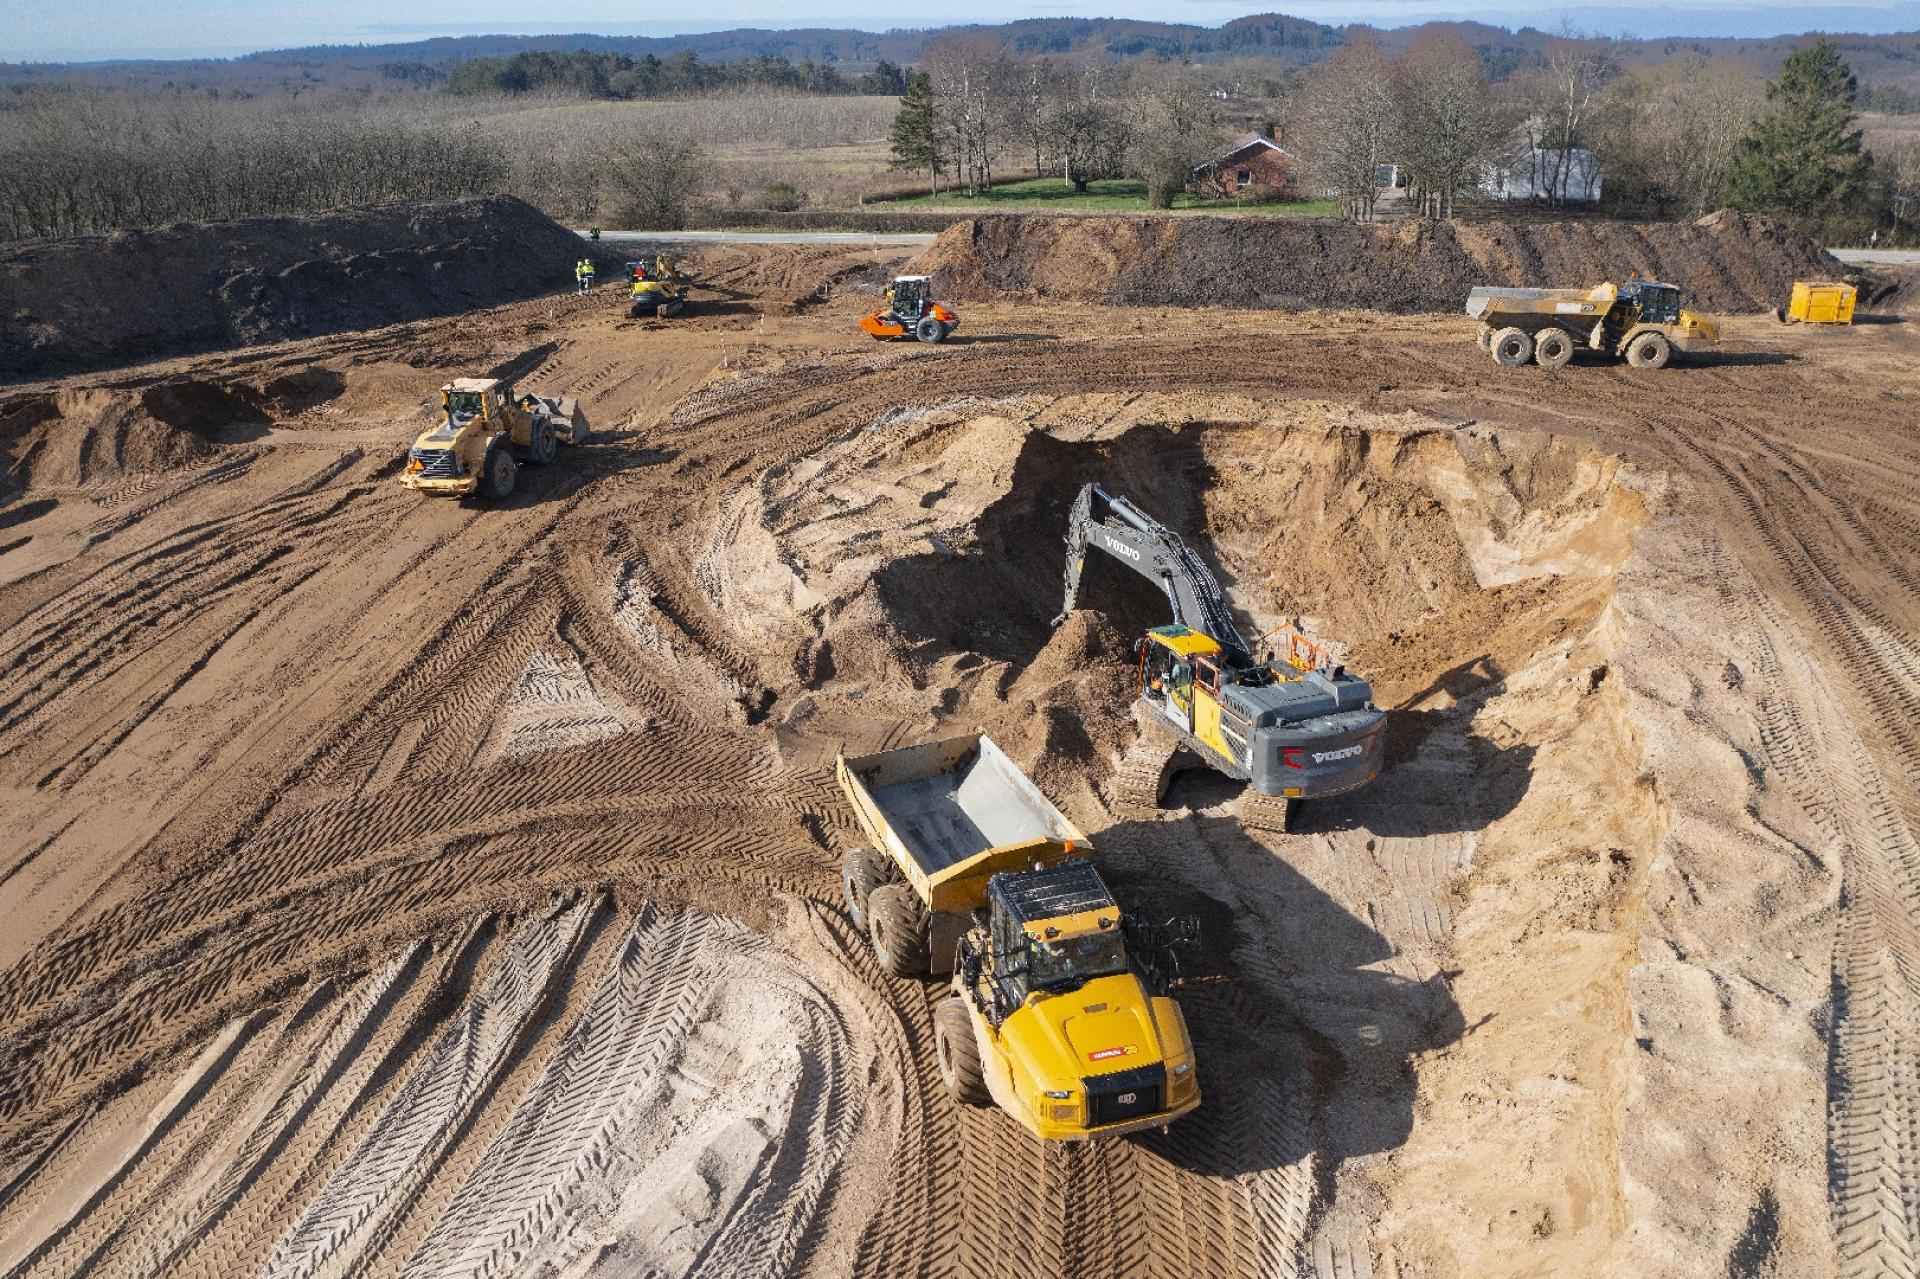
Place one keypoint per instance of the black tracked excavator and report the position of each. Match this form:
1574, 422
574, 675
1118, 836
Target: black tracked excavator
1294, 724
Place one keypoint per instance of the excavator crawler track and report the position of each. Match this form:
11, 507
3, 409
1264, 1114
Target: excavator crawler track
1141, 780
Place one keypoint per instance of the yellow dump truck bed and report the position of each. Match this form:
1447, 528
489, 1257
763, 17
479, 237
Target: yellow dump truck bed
952, 813
1822, 302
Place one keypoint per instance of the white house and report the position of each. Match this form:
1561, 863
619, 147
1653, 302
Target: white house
1534, 175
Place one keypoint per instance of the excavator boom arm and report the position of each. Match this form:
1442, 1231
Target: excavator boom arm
1157, 553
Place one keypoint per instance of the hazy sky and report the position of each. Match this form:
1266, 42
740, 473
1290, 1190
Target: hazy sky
60, 30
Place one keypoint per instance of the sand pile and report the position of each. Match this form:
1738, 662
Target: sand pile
99, 434
1730, 261
96, 301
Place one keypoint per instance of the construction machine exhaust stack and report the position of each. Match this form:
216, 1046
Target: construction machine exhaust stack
1294, 728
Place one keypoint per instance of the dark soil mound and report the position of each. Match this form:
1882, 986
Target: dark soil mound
1731, 262
96, 301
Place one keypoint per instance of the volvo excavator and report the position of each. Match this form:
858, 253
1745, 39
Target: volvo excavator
1295, 726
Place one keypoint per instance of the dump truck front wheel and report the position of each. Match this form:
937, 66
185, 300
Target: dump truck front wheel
897, 926
1512, 347
498, 472
1552, 349
959, 1053
861, 871
1649, 351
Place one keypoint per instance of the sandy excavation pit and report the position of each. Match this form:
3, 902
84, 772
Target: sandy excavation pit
317, 787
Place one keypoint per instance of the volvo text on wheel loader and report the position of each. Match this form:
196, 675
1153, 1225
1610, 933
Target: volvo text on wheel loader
1641, 322
1296, 728
911, 312
484, 433
1059, 1012
655, 287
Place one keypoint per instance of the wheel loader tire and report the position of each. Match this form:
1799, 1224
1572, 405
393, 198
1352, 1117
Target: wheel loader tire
897, 926
930, 330
1553, 348
959, 1053
498, 472
1649, 351
546, 444
1512, 347
861, 871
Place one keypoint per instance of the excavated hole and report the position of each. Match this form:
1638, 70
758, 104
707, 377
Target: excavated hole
1465, 570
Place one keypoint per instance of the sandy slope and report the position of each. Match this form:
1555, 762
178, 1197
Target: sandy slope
403, 887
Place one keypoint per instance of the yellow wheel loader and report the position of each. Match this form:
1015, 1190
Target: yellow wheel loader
1641, 322
1295, 725
485, 432
1060, 1012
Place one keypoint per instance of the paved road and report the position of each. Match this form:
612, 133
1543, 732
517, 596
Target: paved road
1878, 257
762, 237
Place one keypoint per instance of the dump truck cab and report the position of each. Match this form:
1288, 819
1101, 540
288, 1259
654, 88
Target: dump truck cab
911, 311
655, 286
1066, 1004
484, 433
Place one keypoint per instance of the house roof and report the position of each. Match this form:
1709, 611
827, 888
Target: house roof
1246, 142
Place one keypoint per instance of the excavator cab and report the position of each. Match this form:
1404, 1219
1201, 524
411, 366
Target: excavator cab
1174, 660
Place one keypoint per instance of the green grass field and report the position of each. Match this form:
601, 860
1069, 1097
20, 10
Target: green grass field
1115, 195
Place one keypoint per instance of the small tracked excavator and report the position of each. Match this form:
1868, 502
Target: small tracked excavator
1294, 726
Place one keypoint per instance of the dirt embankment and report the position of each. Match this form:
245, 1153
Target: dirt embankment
93, 302
1730, 261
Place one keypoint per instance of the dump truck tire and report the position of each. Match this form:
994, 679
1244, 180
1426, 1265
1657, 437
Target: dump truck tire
1512, 347
1484, 338
1649, 351
959, 1053
1552, 349
861, 871
930, 330
897, 926
497, 473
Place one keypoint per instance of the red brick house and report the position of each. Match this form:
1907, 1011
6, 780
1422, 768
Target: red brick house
1252, 165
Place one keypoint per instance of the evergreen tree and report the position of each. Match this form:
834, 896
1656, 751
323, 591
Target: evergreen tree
916, 131
1803, 159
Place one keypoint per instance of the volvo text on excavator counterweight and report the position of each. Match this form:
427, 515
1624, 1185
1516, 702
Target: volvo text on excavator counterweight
1300, 727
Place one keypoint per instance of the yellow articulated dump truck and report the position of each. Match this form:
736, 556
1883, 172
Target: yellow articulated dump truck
1060, 1012
1641, 322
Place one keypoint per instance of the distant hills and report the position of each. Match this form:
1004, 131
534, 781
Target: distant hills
1890, 62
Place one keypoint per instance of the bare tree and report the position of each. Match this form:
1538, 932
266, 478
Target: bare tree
1086, 128
1175, 130
1565, 97
977, 88
653, 175
1343, 124
1666, 136
1447, 127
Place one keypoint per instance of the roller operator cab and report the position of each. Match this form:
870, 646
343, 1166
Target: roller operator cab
1301, 728
1060, 1013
